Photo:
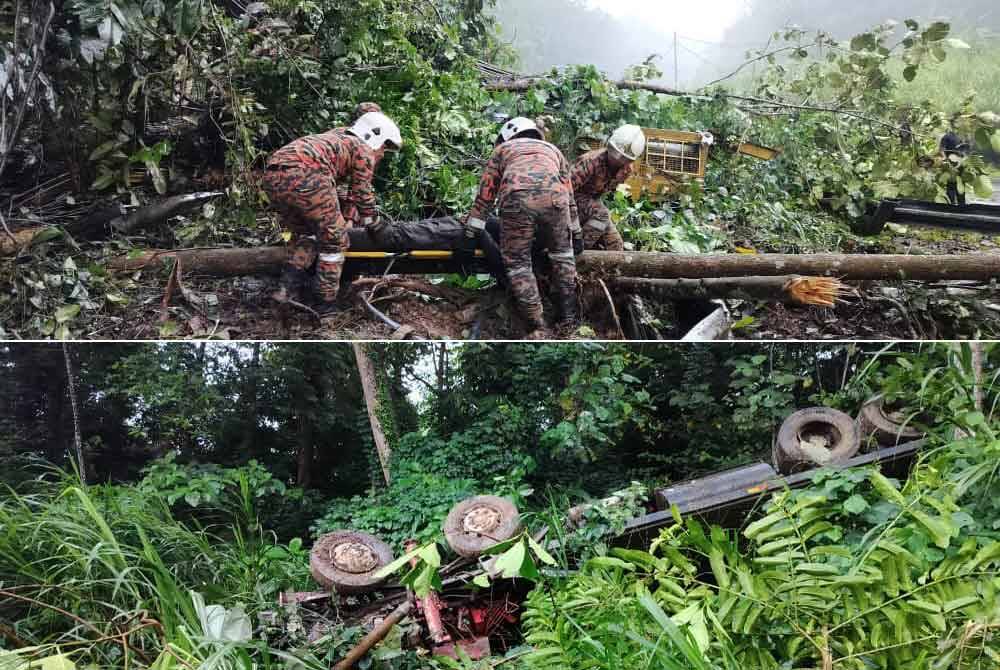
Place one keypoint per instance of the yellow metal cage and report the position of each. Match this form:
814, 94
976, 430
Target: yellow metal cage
672, 158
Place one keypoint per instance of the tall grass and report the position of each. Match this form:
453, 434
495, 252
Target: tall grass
107, 576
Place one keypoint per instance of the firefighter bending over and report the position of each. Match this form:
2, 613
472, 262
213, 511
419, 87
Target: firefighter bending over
302, 181
531, 180
599, 172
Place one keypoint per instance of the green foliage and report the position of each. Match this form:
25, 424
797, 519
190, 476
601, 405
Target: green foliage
413, 507
599, 523
855, 569
211, 486
877, 149
599, 402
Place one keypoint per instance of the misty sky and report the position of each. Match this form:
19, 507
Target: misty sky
714, 36
703, 20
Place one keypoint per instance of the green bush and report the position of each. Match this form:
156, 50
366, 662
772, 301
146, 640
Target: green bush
412, 507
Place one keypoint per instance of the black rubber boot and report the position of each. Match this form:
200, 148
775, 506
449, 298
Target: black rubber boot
292, 285
569, 320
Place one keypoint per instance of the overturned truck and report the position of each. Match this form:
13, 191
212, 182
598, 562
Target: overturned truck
457, 621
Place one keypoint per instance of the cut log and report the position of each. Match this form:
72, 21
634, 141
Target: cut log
267, 260
848, 267
793, 290
216, 262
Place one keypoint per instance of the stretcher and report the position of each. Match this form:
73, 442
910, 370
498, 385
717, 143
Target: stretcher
421, 247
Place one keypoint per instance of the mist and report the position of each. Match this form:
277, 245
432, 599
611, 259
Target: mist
696, 43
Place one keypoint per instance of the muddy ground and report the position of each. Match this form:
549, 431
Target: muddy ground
241, 309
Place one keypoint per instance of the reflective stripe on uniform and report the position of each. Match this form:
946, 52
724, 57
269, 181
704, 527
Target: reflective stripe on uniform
331, 258
597, 224
564, 257
476, 224
519, 271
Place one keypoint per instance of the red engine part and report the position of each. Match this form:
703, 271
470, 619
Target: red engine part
489, 616
431, 607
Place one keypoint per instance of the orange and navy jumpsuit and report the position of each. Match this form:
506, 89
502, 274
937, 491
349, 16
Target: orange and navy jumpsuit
593, 177
301, 181
531, 180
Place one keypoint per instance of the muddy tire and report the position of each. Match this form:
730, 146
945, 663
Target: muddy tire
479, 523
346, 561
813, 438
879, 428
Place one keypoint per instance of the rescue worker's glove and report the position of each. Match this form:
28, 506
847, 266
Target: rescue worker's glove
466, 254
577, 243
375, 227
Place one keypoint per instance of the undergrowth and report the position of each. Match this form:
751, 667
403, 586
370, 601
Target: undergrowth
857, 571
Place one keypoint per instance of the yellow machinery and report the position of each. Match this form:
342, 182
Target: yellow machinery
672, 158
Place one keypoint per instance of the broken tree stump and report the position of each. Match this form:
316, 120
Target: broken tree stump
822, 291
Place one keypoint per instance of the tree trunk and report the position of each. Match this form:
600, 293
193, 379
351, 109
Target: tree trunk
978, 355
527, 83
250, 403
848, 267
368, 382
71, 389
55, 416
304, 455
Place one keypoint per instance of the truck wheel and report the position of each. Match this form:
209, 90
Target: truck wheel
813, 438
479, 523
882, 427
346, 561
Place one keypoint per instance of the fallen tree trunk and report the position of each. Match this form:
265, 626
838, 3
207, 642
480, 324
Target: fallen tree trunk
787, 289
848, 267
221, 262
110, 219
215, 262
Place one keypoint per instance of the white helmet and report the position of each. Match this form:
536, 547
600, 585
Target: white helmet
629, 141
375, 129
517, 126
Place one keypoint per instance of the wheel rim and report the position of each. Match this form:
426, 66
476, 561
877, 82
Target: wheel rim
481, 520
352, 557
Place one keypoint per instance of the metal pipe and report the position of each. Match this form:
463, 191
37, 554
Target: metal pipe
431, 607
374, 637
